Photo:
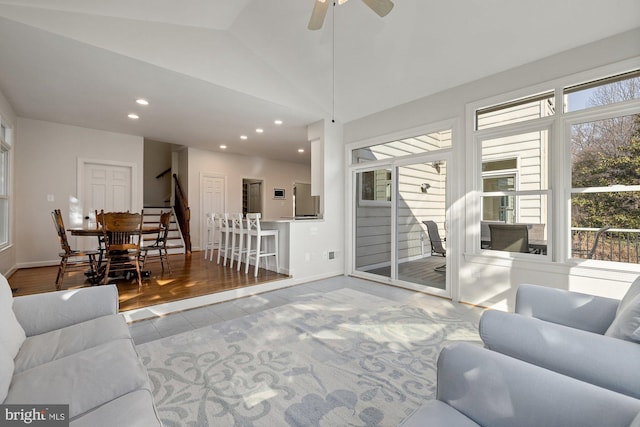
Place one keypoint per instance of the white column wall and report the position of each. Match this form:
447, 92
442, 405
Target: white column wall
311, 241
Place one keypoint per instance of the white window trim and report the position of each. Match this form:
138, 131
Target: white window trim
6, 144
559, 201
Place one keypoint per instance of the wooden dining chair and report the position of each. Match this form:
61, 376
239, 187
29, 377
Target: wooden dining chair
72, 259
122, 235
160, 245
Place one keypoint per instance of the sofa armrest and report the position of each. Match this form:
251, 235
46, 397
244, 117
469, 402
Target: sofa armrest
45, 312
587, 312
597, 359
496, 390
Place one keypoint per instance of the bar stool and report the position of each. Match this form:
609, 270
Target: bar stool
254, 230
210, 243
237, 231
222, 222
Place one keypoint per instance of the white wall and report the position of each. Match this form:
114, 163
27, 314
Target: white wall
157, 159
46, 157
493, 282
310, 241
275, 174
8, 255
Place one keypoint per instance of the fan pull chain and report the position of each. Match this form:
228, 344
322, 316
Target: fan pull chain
333, 63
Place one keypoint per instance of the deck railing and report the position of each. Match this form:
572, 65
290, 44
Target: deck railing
615, 244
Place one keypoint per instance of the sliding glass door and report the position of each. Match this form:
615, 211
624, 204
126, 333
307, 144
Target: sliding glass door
372, 215
420, 231
399, 212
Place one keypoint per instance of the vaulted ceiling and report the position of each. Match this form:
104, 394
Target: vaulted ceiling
213, 70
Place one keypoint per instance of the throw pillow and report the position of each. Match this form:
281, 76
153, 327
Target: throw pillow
626, 325
11, 334
632, 292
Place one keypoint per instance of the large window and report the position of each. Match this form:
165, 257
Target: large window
593, 143
5, 138
515, 192
605, 189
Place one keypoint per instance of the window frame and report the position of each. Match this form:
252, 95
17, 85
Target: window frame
543, 124
559, 179
388, 184
5, 190
574, 118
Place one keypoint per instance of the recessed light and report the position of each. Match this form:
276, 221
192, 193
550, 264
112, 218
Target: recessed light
224, 147
278, 122
133, 116
259, 130
142, 101
300, 150
244, 137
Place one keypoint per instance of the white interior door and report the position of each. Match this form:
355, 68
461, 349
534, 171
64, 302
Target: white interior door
107, 187
212, 200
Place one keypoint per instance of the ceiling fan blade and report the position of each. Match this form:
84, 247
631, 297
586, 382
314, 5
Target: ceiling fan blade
317, 16
381, 7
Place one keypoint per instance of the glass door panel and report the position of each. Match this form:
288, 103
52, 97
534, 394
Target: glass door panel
372, 207
421, 221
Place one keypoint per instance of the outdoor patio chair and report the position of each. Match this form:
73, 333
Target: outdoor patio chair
436, 242
509, 237
589, 253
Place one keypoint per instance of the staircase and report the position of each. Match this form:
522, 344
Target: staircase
175, 242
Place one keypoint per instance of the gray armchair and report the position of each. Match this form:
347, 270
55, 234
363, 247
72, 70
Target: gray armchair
590, 338
478, 387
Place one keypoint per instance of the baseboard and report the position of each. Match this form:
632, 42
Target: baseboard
37, 264
187, 304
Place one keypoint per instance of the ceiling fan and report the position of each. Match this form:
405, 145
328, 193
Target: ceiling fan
381, 7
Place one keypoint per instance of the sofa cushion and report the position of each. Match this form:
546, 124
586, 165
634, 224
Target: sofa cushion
6, 372
11, 334
84, 380
437, 413
43, 348
605, 361
626, 325
135, 409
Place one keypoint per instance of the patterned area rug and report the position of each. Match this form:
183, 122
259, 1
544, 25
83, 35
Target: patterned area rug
342, 358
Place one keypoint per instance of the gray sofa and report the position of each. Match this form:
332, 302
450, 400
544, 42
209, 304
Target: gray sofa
479, 387
590, 338
71, 347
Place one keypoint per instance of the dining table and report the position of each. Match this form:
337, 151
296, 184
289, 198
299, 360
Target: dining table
94, 231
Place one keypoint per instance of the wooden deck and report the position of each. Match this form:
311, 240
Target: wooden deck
191, 276
421, 272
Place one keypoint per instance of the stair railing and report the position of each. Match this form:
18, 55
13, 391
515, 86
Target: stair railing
183, 213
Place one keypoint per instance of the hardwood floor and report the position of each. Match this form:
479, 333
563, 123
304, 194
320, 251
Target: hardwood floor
191, 276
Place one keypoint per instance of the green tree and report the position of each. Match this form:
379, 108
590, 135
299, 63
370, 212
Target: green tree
607, 153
